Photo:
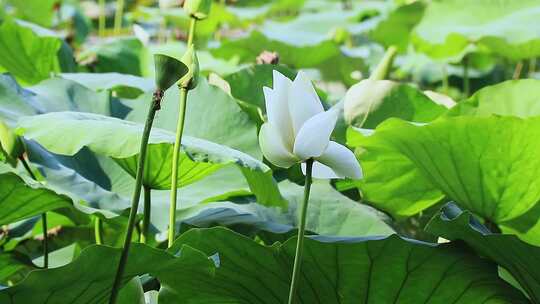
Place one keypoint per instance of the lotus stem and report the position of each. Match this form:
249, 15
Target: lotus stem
98, 227
154, 107
445, 79
301, 232
191, 33
176, 158
101, 20
177, 144
517, 70
532, 67
466, 85
118, 15
146, 216
383, 67
43, 217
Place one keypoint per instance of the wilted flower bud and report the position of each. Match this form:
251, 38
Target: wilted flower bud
11, 145
198, 9
168, 71
190, 79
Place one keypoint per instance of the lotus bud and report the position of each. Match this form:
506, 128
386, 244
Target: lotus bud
190, 79
198, 9
168, 71
11, 145
363, 98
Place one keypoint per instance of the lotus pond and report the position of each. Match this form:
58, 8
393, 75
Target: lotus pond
269, 152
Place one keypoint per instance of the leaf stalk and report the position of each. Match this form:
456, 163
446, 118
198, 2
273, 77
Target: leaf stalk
301, 231
154, 107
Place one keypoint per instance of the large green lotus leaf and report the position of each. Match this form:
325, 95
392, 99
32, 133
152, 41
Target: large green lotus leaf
450, 28
120, 140
57, 94
395, 29
224, 121
88, 278
12, 263
121, 55
52, 95
487, 165
332, 213
510, 98
519, 258
21, 198
389, 100
14, 100
123, 85
26, 54
41, 12
391, 181
337, 270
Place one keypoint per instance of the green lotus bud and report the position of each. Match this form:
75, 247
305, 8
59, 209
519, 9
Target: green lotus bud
168, 71
11, 145
198, 9
189, 81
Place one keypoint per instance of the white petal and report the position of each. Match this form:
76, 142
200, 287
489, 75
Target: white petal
313, 137
364, 98
341, 160
278, 115
441, 99
320, 171
304, 102
273, 148
280, 81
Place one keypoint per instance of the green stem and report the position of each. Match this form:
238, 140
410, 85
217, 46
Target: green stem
444, 78
191, 33
101, 20
177, 144
45, 240
385, 65
146, 217
98, 227
532, 66
154, 107
301, 231
466, 87
118, 16
43, 217
517, 70
176, 158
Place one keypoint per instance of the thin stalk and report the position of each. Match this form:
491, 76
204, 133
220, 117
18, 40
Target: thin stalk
532, 66
154, 107
517, 70
43, 218
444, 78
118, 16
385, 65
98, 228
101, 20
191, 33
301, 231
466, 87
176, 158
177, 144
146, 217
45, 240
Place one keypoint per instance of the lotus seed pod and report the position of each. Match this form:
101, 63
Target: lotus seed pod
190, 79
198, 9
11, 146
168, 71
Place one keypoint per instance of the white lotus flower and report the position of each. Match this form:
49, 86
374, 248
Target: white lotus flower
298, 129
